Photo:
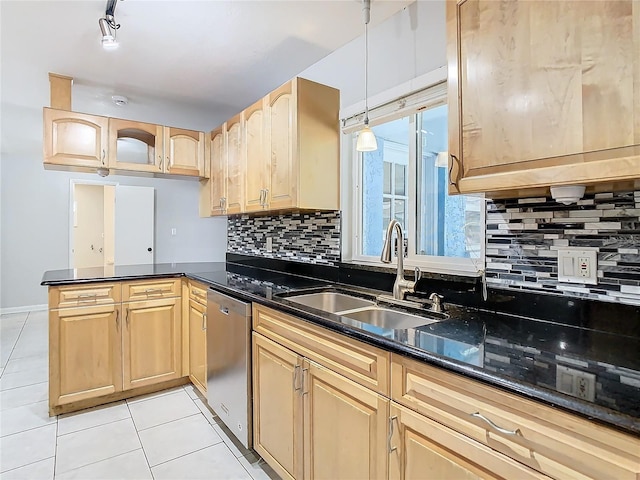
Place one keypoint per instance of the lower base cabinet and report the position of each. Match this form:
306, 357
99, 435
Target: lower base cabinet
151, 343
310, 422
422, 448
85, 358
198, 345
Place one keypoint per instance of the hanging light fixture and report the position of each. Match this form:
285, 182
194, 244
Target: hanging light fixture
366, 138
108, 27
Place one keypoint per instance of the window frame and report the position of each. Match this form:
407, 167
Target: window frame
430, 97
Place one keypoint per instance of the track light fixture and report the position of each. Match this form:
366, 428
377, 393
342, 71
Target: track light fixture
108, 26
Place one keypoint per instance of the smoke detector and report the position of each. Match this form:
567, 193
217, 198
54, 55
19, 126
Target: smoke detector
119, 100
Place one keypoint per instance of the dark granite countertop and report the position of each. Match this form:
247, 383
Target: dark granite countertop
518, 354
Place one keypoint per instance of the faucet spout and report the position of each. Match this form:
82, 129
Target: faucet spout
401, 286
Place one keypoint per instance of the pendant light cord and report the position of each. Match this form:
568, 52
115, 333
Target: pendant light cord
366, 73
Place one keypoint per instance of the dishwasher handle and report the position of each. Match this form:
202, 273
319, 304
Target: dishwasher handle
224, 310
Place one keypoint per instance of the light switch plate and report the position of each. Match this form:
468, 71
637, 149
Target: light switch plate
577, 265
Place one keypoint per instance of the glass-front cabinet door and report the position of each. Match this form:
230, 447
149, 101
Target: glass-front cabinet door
135, 146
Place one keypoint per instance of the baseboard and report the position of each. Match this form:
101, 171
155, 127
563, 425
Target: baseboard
27, 308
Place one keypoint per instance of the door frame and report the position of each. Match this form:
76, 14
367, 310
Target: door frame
72, 184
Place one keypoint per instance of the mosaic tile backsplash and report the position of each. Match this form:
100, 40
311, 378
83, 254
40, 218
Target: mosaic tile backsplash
302, 237
523, 236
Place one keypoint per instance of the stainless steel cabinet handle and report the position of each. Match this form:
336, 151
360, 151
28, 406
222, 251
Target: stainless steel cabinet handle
117, 318
153, 291
168, 164
160, 164
266, 193
204, 321
104, 154
223, 204
126, 318
87, 296
389, 447
453, 158
296, 369
261, 197
304, 375
195, 293
494, 426
224, 310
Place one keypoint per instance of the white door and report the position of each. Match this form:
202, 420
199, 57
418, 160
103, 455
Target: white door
134, 219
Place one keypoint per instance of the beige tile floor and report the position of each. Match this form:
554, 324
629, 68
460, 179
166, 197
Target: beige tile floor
167, 435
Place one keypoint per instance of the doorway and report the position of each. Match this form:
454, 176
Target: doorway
110, 224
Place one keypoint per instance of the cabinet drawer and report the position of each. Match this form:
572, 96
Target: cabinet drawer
151, 289
365, 364
84, 295
198, 292
551, 441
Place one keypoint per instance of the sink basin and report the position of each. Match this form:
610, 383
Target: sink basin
331, 302
388, 319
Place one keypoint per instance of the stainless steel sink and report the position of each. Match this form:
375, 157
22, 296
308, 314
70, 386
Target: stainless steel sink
388, 319
331, 302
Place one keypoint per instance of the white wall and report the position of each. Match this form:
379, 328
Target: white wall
34, 202
407, 45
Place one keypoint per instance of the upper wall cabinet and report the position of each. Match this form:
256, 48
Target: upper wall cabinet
74, 139
78, 141
542, 93
135, 146
213, 192
184, 152
283, 152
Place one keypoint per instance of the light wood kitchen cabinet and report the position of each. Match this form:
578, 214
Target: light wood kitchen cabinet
542, 93
151, 343
213, 192
75, 139
235, 165
136, 146
310, 422
345, 426
303, 138
422, 448
256, 165
277, 149
335, 427
85, 357
277, 407
543, 438
197, 316
183, 152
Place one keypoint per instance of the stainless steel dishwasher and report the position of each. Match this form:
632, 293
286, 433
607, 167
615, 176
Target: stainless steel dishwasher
229, 363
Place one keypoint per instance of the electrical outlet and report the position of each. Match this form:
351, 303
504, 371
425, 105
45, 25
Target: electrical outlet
577, 265
269, 245
174, 232
576, 383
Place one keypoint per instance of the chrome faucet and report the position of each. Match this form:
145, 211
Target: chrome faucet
401, 286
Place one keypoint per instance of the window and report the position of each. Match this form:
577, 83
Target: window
406, 179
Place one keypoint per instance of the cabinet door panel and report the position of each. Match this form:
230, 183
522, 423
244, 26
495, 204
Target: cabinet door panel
151, 342
277, 407
560, 101
281, 121
345, 427
218, 181
235, 166
135, 146
197, 345
74, 139
184, 152
256, 164
422, 448
85, 353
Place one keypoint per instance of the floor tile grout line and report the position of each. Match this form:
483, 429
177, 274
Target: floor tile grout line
139, 439
135, 400
98, 461
16, 342
5, 472
170, 421
109, 422
189, 453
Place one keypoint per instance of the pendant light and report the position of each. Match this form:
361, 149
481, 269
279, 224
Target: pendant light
366, 138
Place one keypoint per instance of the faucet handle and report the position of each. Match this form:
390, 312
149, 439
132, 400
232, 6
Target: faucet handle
436, 302
417, 274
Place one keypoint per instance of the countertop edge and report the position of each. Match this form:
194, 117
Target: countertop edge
607, 417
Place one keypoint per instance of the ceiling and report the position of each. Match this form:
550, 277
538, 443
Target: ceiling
219, 55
